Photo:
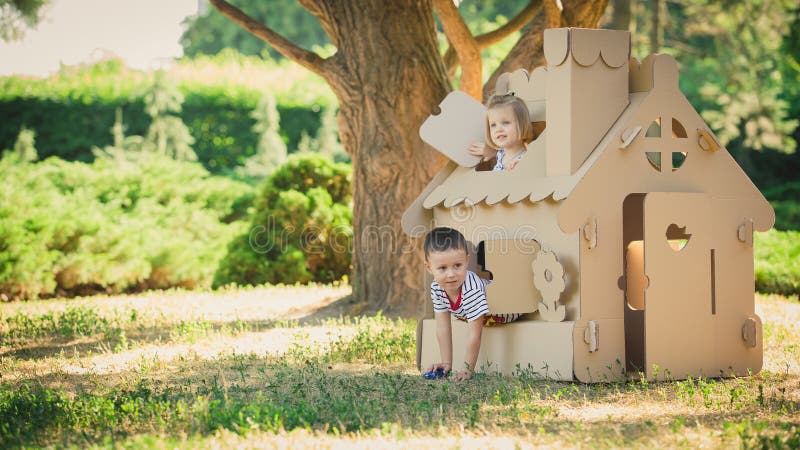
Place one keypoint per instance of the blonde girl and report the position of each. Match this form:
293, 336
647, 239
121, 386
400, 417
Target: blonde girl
508, 131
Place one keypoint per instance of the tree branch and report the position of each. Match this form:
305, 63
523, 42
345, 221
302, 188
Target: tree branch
450, 61
553, 10
493, 37
287, 48
465, 45
513, 25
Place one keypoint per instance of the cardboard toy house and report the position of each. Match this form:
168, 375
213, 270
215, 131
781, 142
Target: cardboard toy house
625, 233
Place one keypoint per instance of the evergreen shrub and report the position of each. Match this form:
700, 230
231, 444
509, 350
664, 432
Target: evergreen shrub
301, 229
115, 225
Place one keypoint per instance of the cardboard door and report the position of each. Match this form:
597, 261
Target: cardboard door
678, 323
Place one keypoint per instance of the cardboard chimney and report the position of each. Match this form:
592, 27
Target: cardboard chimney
625, 233
588, 72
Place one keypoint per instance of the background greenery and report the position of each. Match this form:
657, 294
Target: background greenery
144, 222
216, 111
142, 215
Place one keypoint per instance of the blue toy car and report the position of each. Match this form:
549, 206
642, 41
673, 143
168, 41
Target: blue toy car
433, 374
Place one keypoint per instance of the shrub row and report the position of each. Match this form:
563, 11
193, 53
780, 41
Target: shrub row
222, 127
136, 220
116, 225
74, 110
785, 199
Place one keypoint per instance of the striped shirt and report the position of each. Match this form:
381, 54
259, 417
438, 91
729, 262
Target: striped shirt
472, 304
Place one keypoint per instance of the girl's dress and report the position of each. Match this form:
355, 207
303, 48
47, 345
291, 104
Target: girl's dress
500, 165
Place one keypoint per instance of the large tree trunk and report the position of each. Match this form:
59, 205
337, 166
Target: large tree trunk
390, 77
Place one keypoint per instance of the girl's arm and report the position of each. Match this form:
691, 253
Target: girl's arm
444, 336
473, 348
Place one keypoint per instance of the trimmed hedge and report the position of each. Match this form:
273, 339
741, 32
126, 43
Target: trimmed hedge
73, 111
221, 126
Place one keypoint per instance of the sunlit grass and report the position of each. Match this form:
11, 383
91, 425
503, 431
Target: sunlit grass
255, 367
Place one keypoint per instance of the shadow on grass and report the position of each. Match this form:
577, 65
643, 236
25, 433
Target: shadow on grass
55, 344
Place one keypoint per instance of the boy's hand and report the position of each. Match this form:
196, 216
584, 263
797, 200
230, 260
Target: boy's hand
482, 150
444, 366
463, 375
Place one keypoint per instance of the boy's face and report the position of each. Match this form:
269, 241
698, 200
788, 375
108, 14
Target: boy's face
449, 268
503, 126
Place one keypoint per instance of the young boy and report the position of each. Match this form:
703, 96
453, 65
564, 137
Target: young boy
458, 291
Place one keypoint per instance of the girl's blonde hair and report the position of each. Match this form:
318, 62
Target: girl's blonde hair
524, 125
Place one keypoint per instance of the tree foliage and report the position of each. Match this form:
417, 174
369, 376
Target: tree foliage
210, 33
167, 134
16, 16
736, 68
388, 73
25, 146
216, 110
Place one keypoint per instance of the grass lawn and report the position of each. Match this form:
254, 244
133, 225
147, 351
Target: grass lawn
278, 367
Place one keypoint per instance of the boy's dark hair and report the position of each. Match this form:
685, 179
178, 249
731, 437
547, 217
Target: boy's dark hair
441, 239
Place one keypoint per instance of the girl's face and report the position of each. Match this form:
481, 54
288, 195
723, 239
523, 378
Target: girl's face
503, 127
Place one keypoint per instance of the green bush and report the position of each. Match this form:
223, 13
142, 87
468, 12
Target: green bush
114, 225
777, 262
302, 228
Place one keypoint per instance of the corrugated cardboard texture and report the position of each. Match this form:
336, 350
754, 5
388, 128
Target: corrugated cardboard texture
418, 220
734, 290
529, 87
528, 181
605, 363
541, 349
619, 172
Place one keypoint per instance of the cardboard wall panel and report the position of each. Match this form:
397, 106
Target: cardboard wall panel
542, 349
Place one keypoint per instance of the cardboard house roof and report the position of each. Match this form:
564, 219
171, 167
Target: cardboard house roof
610, 169
706, 167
